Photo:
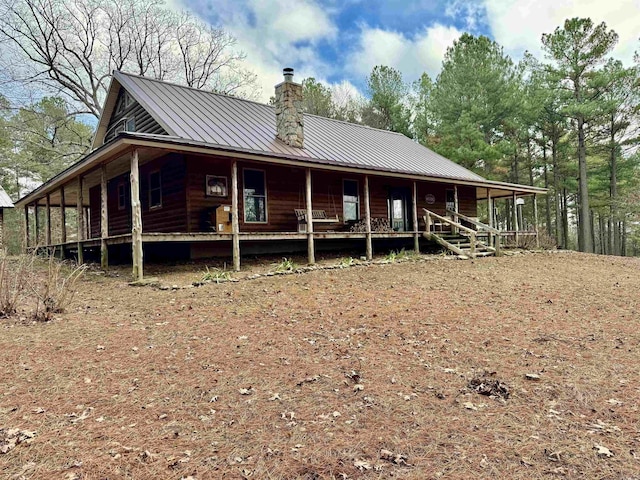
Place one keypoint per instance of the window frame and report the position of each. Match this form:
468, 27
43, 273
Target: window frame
151, 173
357, 202
123, 196
244, 196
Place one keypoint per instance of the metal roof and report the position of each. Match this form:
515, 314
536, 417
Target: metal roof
221, 120
5, 200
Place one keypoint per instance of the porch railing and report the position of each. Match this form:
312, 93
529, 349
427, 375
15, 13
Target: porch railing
493, 234
430, 219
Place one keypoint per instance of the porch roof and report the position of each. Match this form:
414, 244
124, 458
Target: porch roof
126, 141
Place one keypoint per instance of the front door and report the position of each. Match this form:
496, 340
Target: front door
451, 200
398, 210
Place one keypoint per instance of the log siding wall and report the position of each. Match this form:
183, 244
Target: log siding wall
184, 198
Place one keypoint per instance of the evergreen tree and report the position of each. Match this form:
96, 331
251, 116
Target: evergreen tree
577, 50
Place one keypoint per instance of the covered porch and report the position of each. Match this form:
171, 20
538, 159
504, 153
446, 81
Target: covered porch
135, 192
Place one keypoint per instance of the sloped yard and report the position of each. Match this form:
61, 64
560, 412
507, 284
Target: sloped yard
516, 367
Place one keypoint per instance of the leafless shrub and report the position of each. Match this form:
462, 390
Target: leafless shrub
56, 292
15, 275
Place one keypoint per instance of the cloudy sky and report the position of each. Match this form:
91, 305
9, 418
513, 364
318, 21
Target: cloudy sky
342, 40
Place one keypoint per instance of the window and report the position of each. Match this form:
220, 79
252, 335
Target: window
123, 102
350, 200
255, 196
216, 186
130, 124
155, 190
122, 196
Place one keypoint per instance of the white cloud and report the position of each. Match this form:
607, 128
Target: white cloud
274, 34
518, 25
411, 55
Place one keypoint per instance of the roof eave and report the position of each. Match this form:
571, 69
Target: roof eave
130, 139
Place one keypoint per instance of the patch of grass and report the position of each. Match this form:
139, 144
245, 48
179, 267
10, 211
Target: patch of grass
216, 275
286, 265
346, 262
402, 254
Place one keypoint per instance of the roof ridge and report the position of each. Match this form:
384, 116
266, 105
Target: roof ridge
225, 95
174, 84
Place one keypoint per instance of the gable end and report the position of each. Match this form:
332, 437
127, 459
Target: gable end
128, 115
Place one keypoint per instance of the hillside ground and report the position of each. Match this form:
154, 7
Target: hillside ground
518, 367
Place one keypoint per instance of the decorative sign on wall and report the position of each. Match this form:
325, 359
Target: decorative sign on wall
216, 186
430, 199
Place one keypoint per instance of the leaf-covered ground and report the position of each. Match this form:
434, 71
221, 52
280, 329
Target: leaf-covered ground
518, 367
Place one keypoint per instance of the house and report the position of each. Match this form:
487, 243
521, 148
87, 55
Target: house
179, 170
5, 202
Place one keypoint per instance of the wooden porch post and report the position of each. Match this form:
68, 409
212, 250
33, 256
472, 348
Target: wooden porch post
235, 226
535, 219
48, 219
490, 235
515, 218
416, 235
36, 217
104, 219
136, 215
311, 253
63, 217
80, 220
367, 218
26, 227
455, 207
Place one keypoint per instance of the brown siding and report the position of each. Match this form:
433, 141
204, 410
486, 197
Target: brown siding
184, 198
170, 217
144, 121
198, 167
467, 202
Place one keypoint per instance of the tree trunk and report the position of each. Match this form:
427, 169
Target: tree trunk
547, 198
592, 232
584, 224
565, 219
559, 230
613, 186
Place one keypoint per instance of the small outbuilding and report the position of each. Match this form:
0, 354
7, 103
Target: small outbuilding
5, 202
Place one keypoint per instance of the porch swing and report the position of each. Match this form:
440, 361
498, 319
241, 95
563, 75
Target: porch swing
317, 216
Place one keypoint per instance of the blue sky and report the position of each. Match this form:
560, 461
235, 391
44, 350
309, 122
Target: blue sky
341, 41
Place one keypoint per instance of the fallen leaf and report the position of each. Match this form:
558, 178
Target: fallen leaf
603, 451
362, 465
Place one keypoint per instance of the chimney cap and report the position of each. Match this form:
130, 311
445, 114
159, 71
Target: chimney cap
288, 74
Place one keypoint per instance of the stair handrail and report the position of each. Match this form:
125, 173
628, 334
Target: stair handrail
459, 226
475, 222
493, 234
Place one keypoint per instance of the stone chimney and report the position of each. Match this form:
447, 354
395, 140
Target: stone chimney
289, 115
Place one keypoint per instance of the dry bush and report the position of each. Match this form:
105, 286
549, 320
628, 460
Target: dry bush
15, 275
56, 292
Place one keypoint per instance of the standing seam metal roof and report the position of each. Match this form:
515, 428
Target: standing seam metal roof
227, 121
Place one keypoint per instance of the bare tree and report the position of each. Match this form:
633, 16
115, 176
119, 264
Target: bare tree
71, 47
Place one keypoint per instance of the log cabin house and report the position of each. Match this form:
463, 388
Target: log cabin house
176, 171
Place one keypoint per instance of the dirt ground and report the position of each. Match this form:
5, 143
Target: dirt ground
519, 367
